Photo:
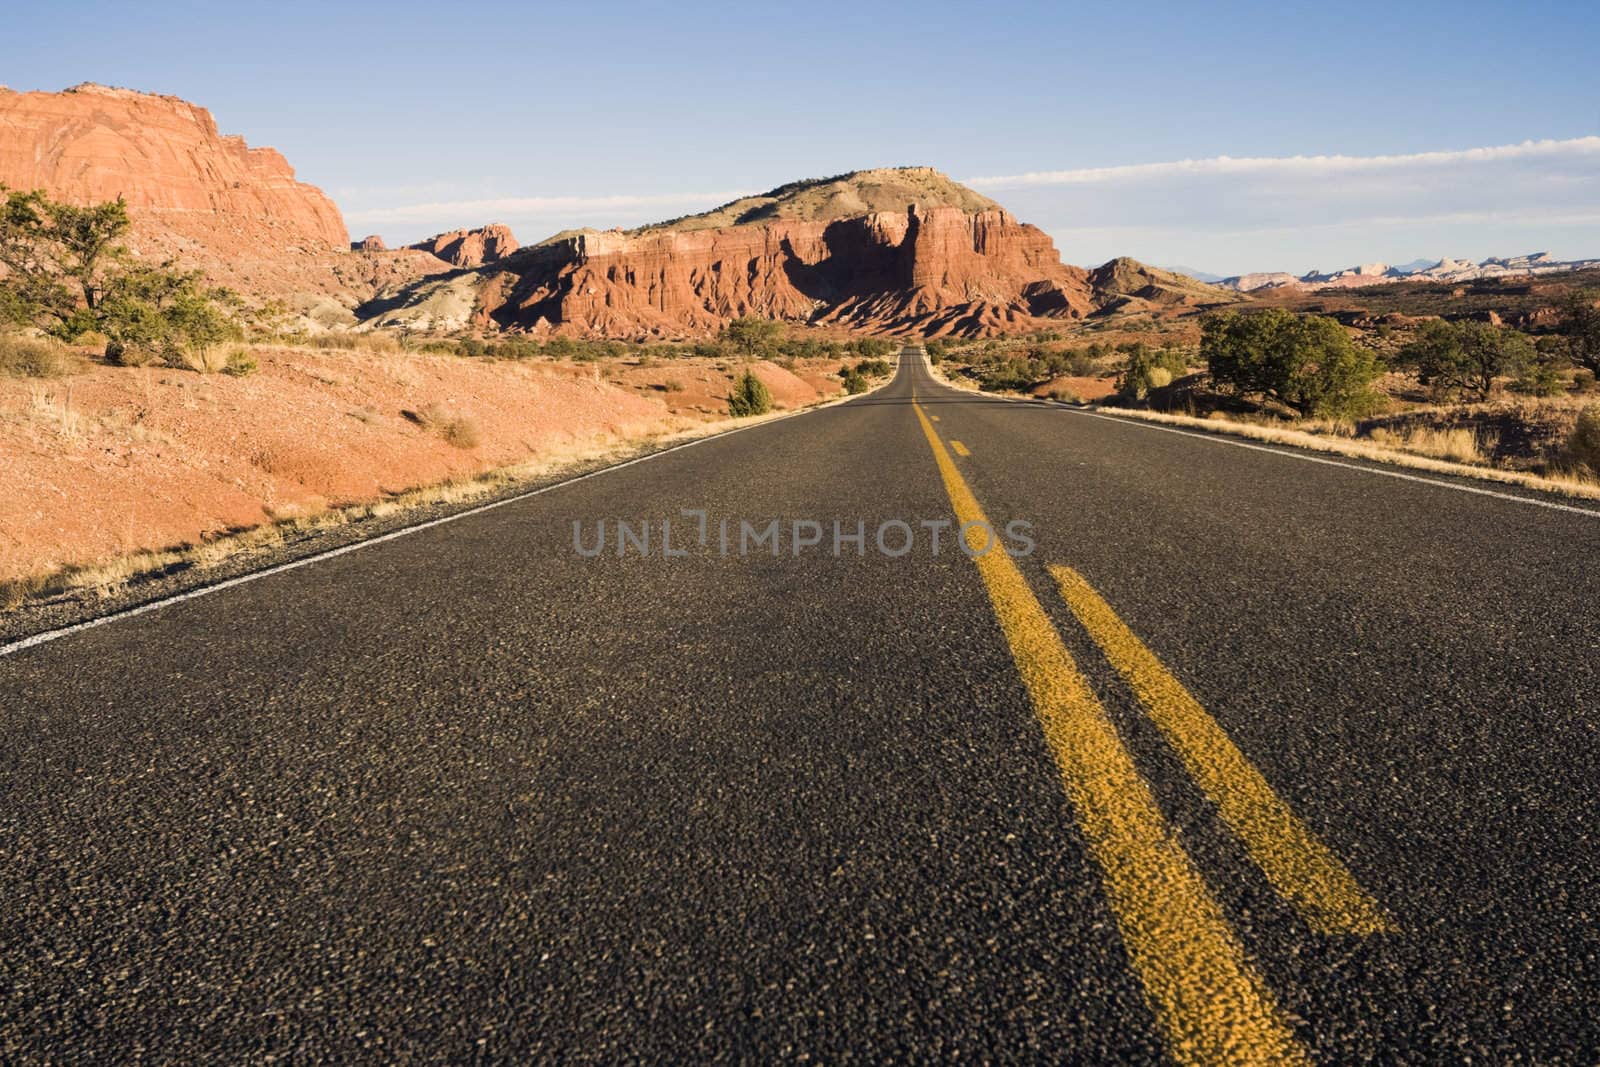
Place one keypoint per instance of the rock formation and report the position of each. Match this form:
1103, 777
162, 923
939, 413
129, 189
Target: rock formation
165, 158
471, 248
370, 243
1125, 284
1443, 270
903, 251
207, 201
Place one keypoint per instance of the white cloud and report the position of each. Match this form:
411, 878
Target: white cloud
599, 210
1292, 213
1302, 166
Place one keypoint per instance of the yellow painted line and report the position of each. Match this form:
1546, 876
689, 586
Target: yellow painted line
961, 449
1213, 1005
1297, 864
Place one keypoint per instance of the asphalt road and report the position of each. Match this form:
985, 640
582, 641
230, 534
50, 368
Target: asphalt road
471, 795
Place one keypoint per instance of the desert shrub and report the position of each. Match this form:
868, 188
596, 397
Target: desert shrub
560, 348
752, 337
1081, 364
65, 273
1467, 356
1580, 325
873, 347
239, 364
1148, 369
35, 357
873, 368
937, 351
1308, 364
1583, 380
165, 314
1583, 444
854, 383
1539, 379
1015, 375
750, 397
57, 258
461, 431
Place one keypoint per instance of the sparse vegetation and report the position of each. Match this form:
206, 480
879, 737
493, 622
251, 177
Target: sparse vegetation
66, 275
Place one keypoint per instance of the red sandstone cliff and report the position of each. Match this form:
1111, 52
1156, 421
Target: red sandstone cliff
471, 248
209, 201
165, 158
899, 251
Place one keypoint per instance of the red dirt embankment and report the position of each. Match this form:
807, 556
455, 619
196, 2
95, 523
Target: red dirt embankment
116, 460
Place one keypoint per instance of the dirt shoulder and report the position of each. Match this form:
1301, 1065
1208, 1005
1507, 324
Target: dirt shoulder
119, 472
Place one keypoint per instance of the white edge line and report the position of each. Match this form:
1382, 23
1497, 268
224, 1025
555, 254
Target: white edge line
1289, 451
317, 557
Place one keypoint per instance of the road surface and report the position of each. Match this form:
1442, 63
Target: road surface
1251, 757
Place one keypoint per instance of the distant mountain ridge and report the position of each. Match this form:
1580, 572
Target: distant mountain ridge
1443, 270
895, 250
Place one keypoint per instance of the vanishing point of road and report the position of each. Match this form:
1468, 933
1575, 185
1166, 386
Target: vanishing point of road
1253, 757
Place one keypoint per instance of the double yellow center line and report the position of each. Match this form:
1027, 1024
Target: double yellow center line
1213, 1004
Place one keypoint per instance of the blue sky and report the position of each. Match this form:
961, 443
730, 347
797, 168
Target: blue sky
420, 117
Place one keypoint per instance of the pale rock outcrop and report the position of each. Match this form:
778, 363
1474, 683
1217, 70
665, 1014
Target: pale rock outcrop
471, 248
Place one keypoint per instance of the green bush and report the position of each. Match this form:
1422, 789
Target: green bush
154, 314
750, 397
1308, 364
854, 383
65, 274
873, 347
752, 337
1148, 369
1539, 379
1468, 356
239, 364
937, 351
1580, 324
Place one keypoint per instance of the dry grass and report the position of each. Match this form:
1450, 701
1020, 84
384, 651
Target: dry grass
51, 414
1567, 485
1456, 444
1583, 444
341, 341
36, 357
462, 431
